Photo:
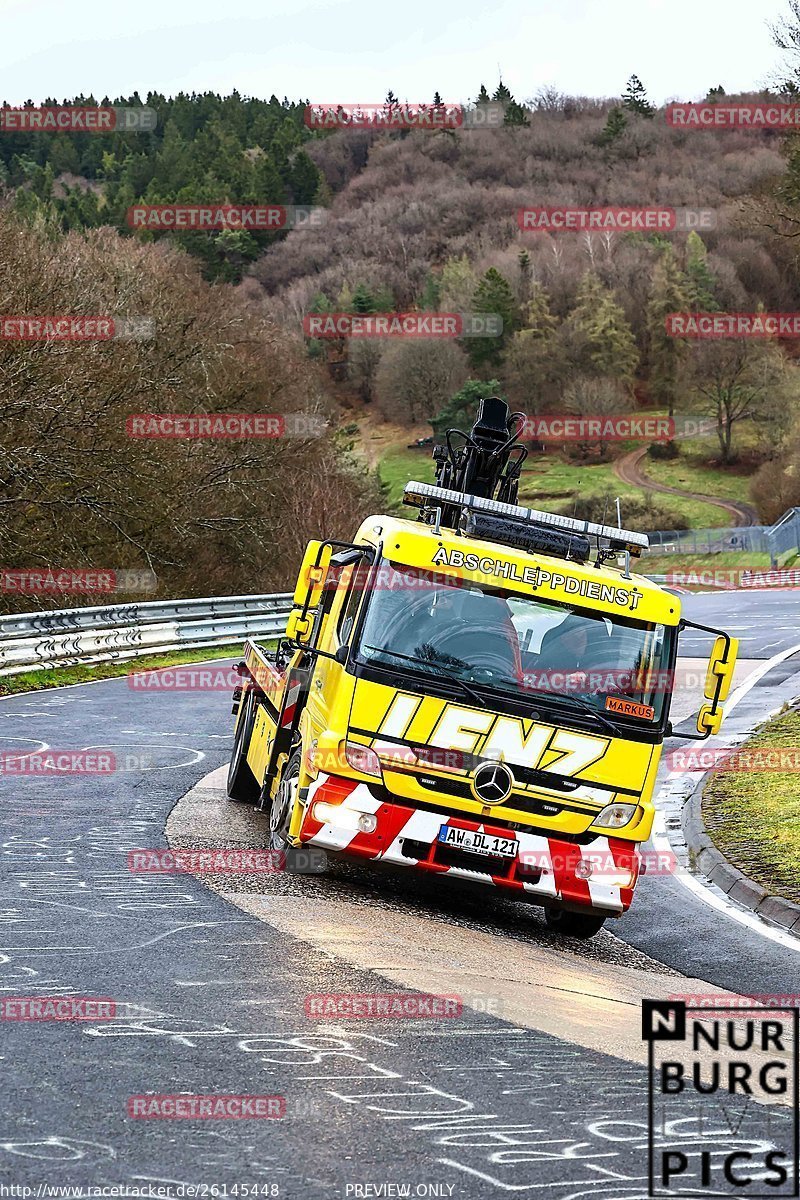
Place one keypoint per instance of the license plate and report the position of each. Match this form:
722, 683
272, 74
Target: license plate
478, 843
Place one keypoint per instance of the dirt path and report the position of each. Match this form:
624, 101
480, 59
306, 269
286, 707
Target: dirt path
629, 470
377, 436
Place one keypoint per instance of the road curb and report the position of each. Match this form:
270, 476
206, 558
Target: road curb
711, 862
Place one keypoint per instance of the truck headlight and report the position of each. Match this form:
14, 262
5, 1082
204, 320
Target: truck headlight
614, 816
363, 759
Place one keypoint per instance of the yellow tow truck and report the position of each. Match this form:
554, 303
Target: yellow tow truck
481, 693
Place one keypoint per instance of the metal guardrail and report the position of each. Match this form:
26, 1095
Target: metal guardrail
67, 637
752, 539
778, 540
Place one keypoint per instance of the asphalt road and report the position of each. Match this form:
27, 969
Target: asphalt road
766, 621
211, 998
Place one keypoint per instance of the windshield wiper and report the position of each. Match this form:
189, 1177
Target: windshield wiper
442, 670
584, 707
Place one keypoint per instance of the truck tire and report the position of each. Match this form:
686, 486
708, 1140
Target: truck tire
280, 811
242, 786
571, 924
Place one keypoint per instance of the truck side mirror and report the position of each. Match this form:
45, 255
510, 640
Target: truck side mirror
719, 677
721, 665
312, 575
308, 591
709, 720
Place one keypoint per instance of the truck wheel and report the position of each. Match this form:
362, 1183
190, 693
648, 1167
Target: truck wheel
242, 786
280, 811
570, 924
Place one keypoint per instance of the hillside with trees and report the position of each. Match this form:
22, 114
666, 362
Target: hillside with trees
428, 221
206, 517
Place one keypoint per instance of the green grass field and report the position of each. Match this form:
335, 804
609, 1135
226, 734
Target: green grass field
547, 482
691, 474
754, 815
398, 466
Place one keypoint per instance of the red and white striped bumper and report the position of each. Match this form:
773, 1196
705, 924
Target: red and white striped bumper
600, 876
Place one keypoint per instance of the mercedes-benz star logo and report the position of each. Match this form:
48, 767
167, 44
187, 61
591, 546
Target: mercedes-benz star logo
492, 782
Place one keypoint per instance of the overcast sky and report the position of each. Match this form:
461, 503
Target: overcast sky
351, 50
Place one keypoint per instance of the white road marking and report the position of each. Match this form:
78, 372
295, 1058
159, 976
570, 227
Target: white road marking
661, 841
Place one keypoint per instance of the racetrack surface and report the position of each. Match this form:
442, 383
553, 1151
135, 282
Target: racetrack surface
211, 989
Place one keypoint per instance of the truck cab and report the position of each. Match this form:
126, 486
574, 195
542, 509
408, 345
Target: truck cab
477, 699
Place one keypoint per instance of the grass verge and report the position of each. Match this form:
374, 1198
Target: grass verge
694, 475
754, 815
31, 681
547, 482
397, 466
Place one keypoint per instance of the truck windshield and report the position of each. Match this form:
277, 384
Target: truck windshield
528, 649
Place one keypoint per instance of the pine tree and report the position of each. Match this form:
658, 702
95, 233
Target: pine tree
391, 98
323, 196
701, 281
266, 186
668, 294
437, 100
614, 128
430, 299
525, 268
363, 300
534, 364
320, 303
457, 284
483, 96
590, 293
538, 321
304, 177
42, 182
514, 114
493, 294
601, 321
635, 99
614, 352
